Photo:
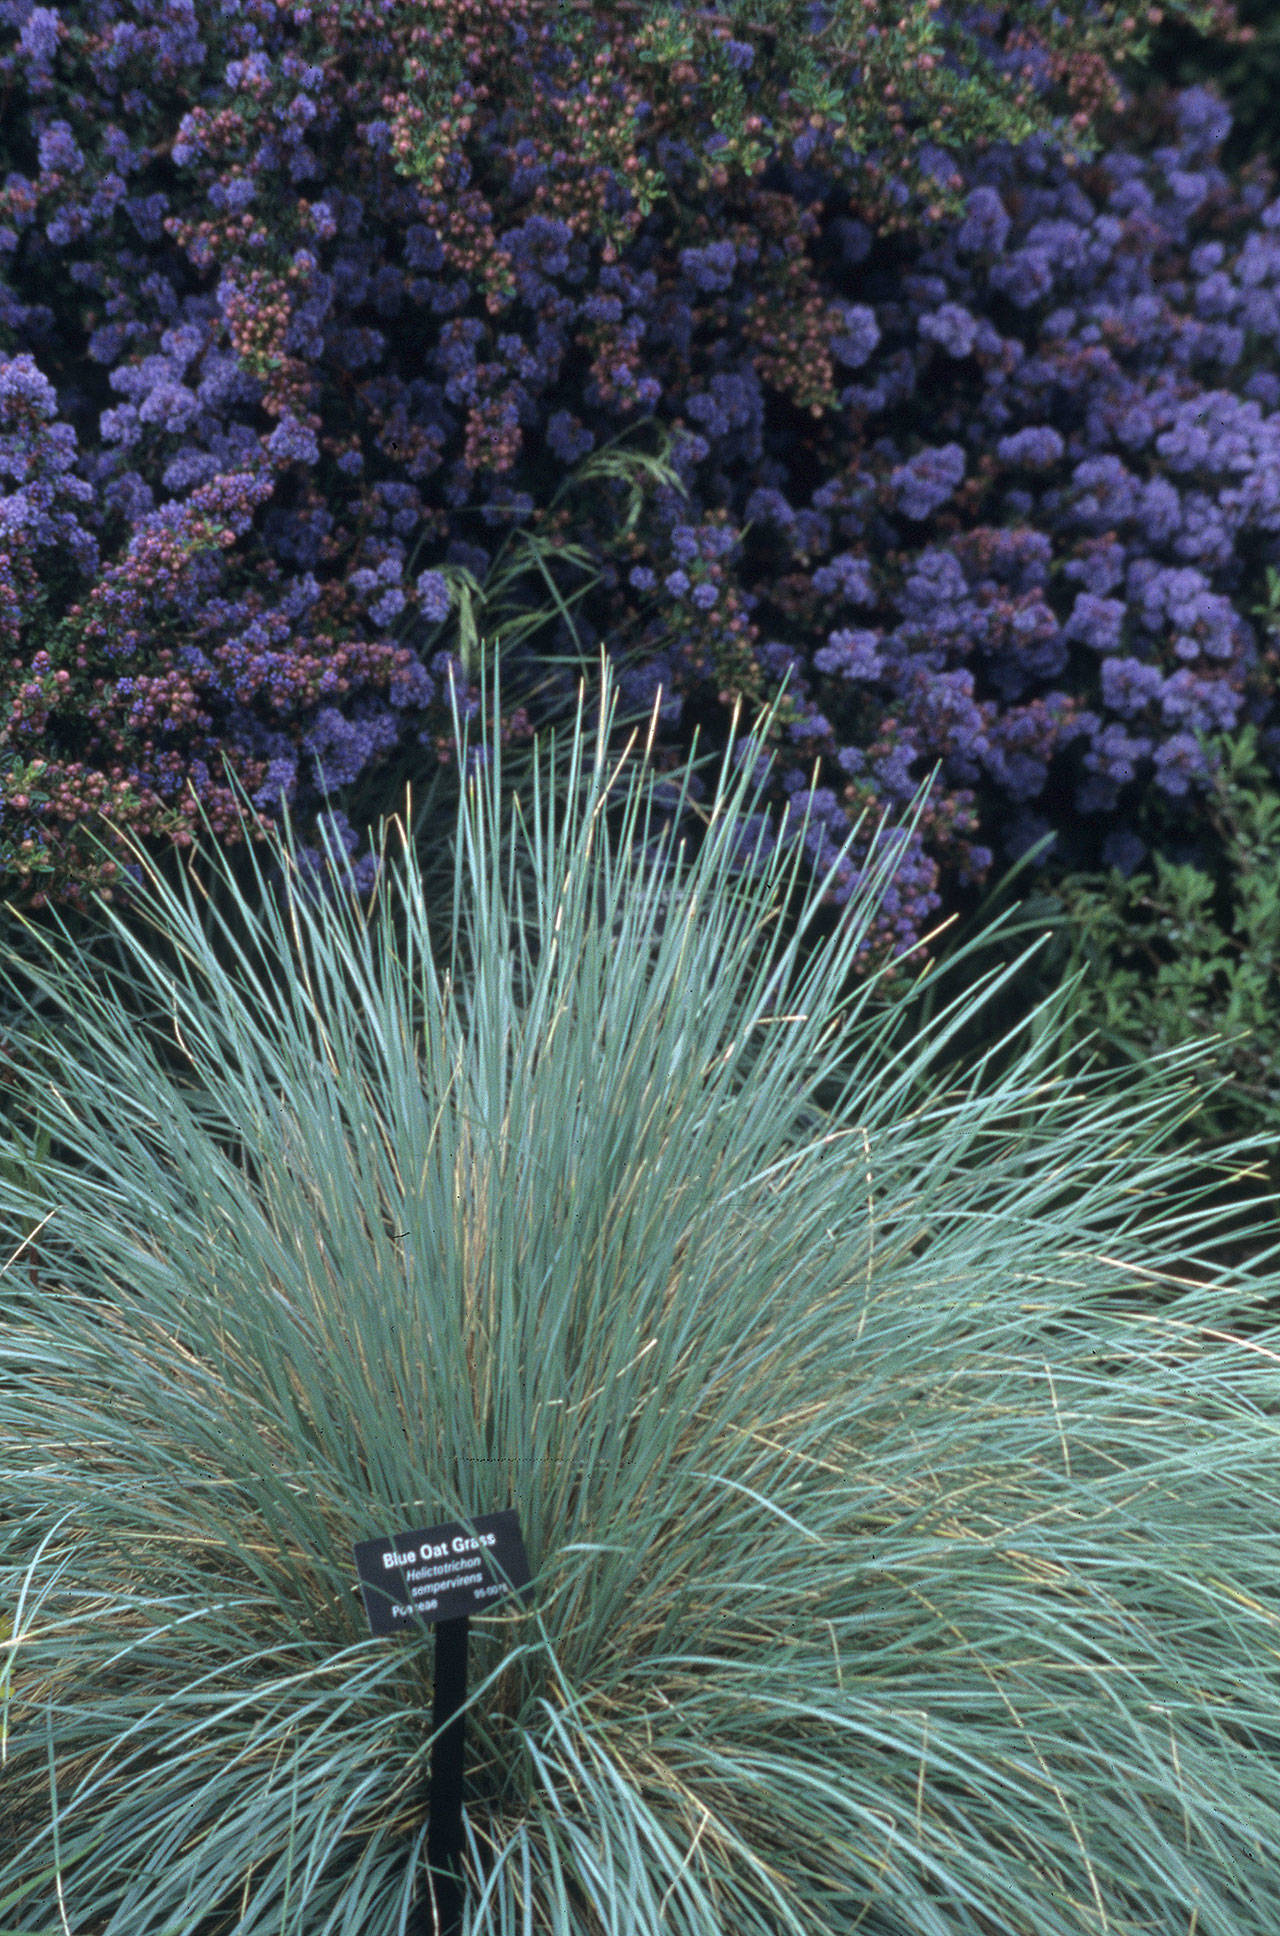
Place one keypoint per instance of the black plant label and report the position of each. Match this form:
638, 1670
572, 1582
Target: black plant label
444, 1572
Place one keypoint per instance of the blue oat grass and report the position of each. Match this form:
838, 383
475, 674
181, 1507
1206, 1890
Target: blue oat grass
902, 1533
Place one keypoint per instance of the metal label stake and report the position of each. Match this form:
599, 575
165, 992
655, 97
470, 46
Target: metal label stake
439, 1576
444, 1795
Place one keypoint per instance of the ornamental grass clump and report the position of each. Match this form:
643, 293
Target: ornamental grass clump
902, 1535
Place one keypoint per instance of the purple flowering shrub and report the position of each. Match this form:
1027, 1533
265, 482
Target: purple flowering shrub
1038, 511
1052, 486
989, 498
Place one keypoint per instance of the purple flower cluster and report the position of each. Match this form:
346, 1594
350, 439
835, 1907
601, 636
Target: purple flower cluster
994, 499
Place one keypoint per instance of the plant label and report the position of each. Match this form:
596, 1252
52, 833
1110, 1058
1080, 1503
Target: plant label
444, 1572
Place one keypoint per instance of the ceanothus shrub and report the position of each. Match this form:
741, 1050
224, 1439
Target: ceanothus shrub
991, 499
1053, 486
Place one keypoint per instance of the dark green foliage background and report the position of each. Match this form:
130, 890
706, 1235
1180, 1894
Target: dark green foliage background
1247, 78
